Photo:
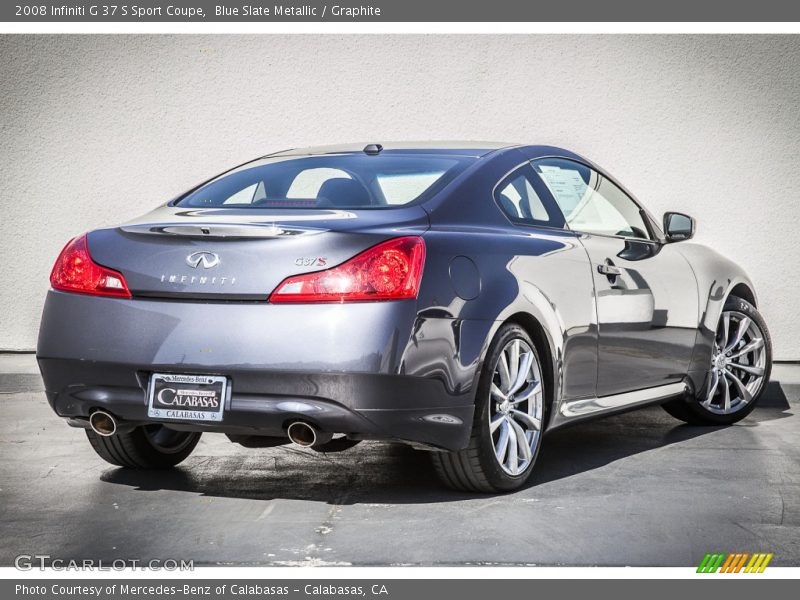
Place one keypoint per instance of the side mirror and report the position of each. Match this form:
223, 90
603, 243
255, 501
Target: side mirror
678, 227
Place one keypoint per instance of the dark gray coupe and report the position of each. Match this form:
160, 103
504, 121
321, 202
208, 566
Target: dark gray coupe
460, 297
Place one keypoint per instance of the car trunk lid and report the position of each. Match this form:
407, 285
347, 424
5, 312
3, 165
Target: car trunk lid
240, 254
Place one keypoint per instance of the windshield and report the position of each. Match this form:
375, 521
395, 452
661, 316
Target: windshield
352, 181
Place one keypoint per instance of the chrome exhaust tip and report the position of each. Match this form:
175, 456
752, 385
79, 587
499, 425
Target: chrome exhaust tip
307, 436
102, 423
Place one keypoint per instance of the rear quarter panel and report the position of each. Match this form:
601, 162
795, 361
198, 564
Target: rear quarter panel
482, 271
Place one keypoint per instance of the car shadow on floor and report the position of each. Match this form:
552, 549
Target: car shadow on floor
374, 472
581, 448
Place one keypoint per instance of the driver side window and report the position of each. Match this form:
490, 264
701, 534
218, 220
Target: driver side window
590, 202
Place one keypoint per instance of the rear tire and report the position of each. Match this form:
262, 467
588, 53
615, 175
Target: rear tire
510, 397
739, 372
146, 447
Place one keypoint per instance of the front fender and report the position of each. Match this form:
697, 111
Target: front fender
717, 276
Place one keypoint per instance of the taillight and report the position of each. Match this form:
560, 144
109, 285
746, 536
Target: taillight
391, 270
75, 271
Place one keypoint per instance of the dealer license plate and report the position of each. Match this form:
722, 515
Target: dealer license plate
186, 397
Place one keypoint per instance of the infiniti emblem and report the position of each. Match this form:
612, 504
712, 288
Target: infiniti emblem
205, 258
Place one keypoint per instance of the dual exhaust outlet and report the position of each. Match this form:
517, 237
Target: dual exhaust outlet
300, 433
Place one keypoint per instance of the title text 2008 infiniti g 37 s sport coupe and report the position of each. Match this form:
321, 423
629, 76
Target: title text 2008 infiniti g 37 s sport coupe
461, 297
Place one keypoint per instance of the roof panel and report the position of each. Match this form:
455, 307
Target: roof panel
478, 148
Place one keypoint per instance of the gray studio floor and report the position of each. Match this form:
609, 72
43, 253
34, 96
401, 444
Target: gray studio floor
637, 489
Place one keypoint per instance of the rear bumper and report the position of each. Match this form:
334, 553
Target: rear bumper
373, 370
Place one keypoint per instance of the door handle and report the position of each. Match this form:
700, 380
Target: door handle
608, 269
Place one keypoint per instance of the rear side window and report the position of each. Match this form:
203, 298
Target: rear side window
518, 198
348, 181
590, 202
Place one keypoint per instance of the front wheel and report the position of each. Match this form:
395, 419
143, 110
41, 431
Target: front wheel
740, 367
146, 447
507, 426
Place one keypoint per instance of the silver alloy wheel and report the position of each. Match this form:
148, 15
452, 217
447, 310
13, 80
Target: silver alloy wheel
515, 407
738, 364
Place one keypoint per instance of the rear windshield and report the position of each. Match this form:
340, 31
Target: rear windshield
353, 181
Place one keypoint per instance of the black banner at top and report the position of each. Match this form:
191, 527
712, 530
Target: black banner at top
399, 11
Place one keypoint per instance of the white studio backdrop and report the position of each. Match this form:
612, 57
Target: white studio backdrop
97, 129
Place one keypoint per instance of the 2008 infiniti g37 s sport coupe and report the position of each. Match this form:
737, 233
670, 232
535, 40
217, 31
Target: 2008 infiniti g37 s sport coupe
461, 297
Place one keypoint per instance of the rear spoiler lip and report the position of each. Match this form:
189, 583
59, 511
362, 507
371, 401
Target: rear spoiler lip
221, 230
